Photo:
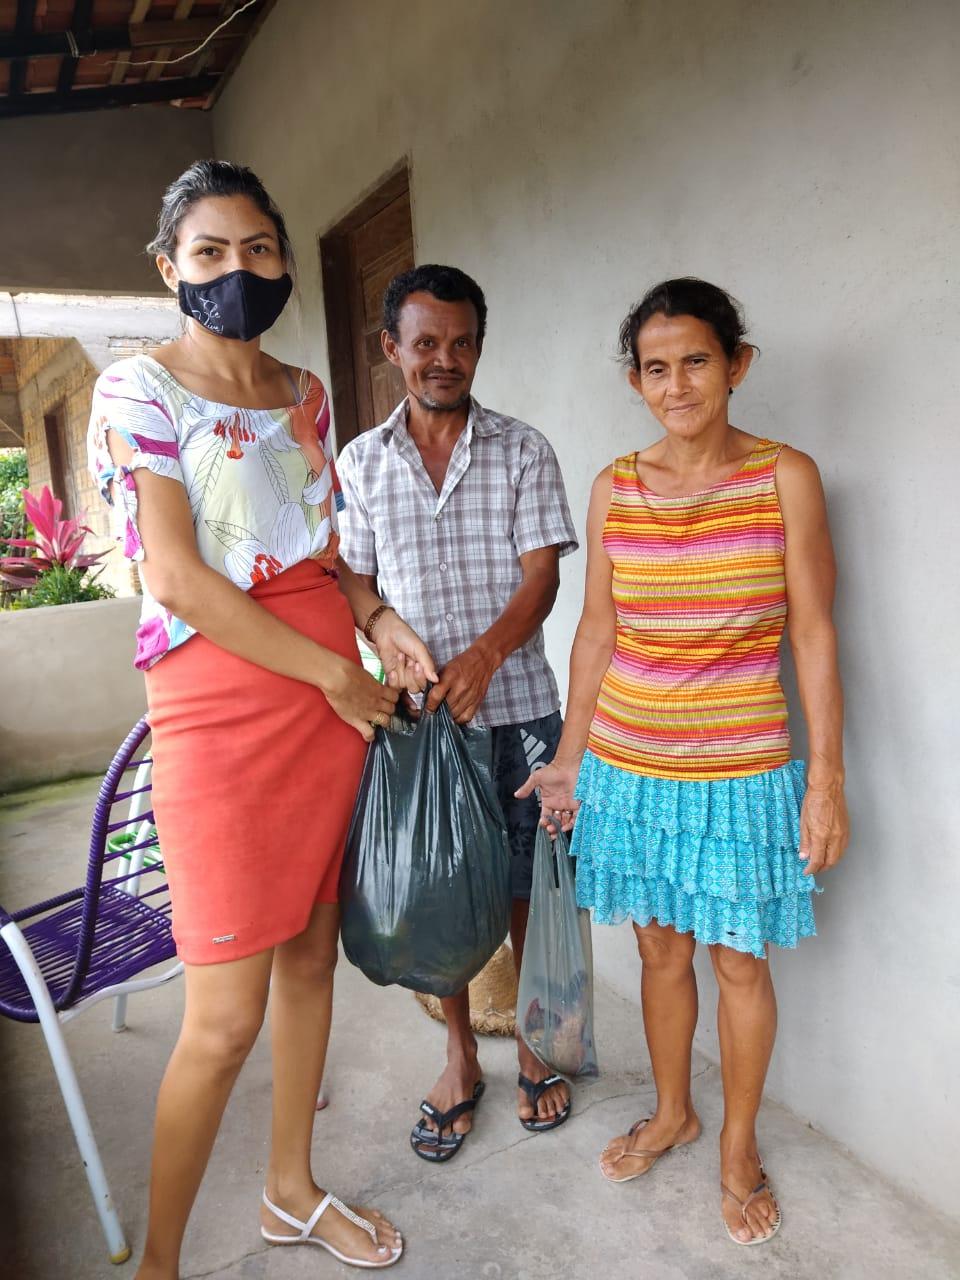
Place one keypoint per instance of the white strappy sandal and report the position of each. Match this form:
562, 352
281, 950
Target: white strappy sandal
304, 1230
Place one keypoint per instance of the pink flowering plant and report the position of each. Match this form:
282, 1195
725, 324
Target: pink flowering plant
55, 564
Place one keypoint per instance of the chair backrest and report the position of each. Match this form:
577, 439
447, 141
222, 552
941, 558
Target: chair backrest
123, 841
117, 835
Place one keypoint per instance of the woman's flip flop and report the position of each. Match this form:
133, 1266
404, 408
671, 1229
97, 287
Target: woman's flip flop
762, 1186
652, 1156
535, 1092
437, 1148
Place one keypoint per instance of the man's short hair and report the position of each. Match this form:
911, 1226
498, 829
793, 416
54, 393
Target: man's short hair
446, 284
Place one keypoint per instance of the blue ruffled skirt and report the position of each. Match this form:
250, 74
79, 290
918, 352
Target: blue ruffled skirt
716, 859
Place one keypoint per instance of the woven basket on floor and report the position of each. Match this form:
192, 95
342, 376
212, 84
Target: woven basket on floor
493, 997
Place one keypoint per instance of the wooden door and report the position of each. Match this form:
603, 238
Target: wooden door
359, 258
53, 438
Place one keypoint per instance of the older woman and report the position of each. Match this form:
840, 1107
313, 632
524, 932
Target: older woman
691, 817
218, 456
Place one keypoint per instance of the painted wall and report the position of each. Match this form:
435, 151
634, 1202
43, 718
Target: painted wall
82, 192
70, 690
806, 157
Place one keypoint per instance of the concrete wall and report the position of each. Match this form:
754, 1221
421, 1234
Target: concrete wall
804, 156
107, 327
81, 195
70, 690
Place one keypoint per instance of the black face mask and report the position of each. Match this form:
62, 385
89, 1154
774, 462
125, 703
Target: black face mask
238, 305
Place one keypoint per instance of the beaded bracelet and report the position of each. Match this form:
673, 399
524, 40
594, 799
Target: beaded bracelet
373, 620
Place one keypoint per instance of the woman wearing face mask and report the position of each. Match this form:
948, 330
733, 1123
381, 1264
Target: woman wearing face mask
218, 459
691, 817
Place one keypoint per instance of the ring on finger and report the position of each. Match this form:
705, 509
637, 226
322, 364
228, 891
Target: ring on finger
379, 720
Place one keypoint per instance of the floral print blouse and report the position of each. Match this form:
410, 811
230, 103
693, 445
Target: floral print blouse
261, 482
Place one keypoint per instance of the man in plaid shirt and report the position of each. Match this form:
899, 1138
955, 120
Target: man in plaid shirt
458, 516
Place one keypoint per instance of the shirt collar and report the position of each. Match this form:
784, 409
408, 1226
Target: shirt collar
480, 422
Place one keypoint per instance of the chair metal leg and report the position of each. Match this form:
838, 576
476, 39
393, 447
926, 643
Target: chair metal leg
120, 1013
117, 1245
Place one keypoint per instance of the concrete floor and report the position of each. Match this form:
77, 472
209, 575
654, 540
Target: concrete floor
512, 1206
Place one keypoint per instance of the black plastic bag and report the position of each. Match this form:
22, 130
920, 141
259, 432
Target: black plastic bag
425, 886
555, 998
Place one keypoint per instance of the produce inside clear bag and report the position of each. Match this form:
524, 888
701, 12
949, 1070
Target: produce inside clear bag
555, 999
425, 885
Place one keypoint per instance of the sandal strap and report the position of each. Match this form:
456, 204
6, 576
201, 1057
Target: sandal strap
536, 1089
638, 1152
290, 1220
741, 1204
305, 1229
364, 1223
443, 1119
759, 1189
635, 1128
318, 1212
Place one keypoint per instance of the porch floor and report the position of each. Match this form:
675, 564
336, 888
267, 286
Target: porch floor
512, 1206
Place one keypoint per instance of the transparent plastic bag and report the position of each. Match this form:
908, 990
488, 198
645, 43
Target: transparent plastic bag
425, 885
555, 999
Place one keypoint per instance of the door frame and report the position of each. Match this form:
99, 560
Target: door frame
335, 277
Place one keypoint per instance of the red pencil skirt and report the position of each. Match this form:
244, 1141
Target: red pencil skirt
254, 780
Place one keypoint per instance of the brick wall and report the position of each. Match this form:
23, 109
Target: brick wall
54, 376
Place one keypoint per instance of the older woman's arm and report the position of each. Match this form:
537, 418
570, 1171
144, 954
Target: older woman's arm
592, 650
811, 578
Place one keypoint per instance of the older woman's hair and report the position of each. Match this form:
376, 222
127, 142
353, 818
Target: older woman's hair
685, 296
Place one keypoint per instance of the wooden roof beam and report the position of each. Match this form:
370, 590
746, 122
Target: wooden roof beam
139, 35
80, 28
180, 14
113, 95
118, 72
26, 12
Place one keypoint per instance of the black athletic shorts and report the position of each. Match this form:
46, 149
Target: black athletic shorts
518, 748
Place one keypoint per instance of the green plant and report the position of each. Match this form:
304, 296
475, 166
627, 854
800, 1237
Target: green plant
13, 480
60, 585
58, 542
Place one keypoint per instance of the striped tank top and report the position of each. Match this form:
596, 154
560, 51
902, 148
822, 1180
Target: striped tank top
693, 690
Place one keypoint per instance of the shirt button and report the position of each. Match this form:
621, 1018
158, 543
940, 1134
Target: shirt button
449, 617
443, 568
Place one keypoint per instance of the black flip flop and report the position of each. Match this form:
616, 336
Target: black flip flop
440, 1149
535, 1092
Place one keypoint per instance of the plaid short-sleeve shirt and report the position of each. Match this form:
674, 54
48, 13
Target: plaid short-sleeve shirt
450, 562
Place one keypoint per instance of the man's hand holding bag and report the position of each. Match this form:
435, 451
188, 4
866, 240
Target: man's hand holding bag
425, 886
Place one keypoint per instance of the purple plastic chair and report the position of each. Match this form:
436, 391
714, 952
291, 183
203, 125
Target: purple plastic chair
72, 951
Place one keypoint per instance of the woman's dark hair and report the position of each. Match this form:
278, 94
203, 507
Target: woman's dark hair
686, 296
446, 284
206, 178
